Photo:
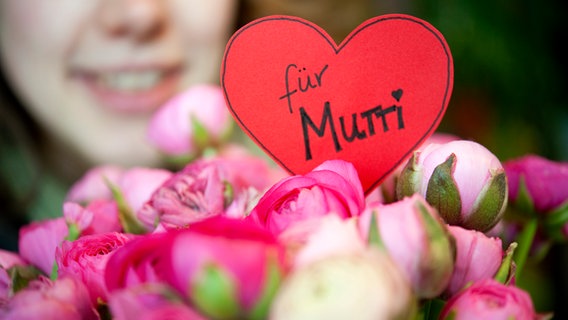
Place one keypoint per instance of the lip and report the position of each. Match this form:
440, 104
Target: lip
131, 100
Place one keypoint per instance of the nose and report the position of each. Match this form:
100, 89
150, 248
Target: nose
139, 19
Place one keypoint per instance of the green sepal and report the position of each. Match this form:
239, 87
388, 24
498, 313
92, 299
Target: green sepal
214, 292
201, 136
20, 276
489, 205
128, 221
443, 193
506, 271
442, 253
408, 182
272, 280
374, 238
73, 233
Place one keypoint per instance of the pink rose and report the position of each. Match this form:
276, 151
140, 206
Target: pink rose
227, 268
135, 184
66, 298
138, 184
203, 188
9, 259
149, 301
478, 258
86, 258
191, 120
333, 187
38, 240
93, 184
417, 239
105, 217
138, 261
489, 299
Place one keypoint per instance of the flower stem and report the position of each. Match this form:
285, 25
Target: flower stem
525, 241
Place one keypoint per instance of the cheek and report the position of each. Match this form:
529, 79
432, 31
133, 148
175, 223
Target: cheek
49, 28
204, 20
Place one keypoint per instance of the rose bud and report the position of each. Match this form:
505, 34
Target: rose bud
38, 241
387, 189
478, 258
86, 259
364, 285
332, 187
489, 299
191, 121
418, 241
227, 268
463, 180
93, 184
65, 298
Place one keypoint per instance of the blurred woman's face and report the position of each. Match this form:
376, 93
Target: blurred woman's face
92, 72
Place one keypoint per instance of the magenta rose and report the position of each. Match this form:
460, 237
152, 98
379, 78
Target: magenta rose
546, 181
333, 187
138, 261
38, 240
86, 259
66, 298
478, 258
489, 299
226, 268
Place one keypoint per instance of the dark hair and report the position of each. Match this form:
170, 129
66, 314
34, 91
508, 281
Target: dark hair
20, 167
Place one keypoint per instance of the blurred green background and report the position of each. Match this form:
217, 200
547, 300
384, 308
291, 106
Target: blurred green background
510, 90
510, 94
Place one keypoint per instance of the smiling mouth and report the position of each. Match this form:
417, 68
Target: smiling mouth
131, 91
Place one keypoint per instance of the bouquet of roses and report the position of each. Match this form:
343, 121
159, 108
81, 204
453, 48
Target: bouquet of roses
229, 236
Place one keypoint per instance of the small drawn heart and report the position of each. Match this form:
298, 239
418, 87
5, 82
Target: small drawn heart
304, 99
397, 94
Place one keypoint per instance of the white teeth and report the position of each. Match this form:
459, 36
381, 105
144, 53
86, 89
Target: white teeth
130, 81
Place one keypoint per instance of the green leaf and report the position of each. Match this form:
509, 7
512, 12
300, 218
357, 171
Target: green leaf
443, 193
272, 281
489, 204
214, 293
525, 240
125, 215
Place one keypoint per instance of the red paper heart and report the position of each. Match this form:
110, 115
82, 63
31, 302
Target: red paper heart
371, 101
